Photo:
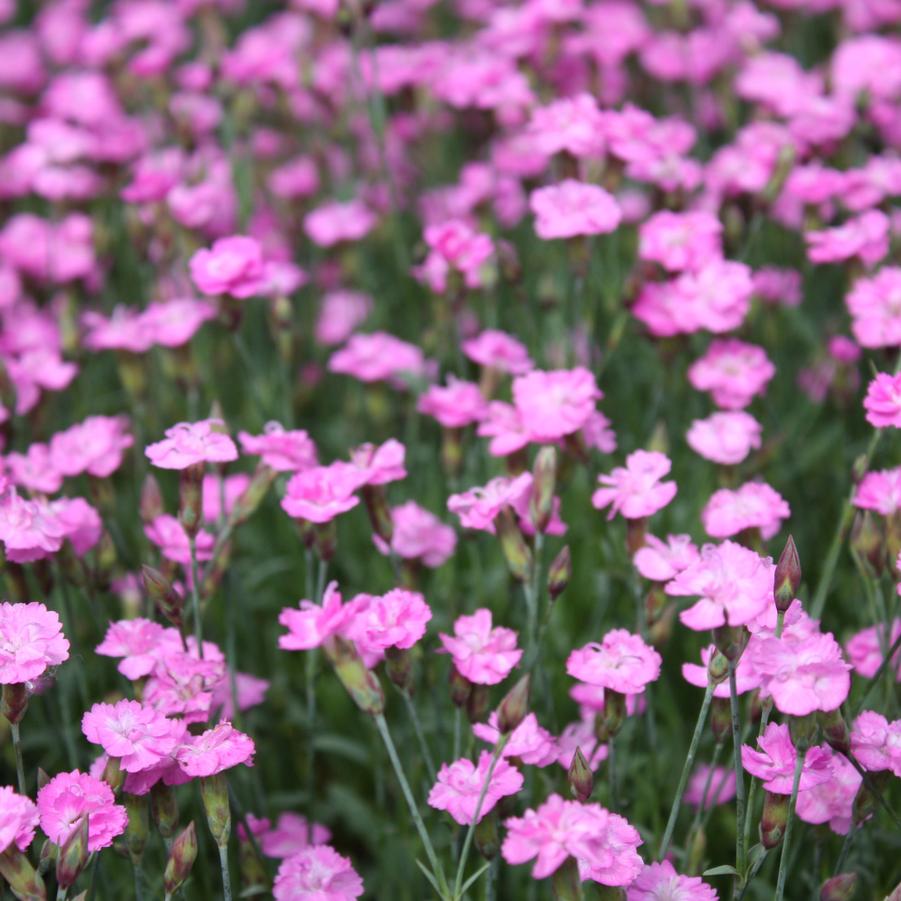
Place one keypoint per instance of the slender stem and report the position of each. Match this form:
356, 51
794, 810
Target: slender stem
752, 791
740, 851
846, 848
702, 811
783, 860
457, 732
755, 869
886, 662
420, 735
470, 832
139, 880
17, 747
226, 876
611, 772
195, 596
686, 769
437, 869
311, 661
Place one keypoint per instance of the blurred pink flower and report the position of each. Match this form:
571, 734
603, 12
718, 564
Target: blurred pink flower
556, 403
18, 820
282, 449
725, 438
379, 464
660, 560
455, 405
460, 784
396, 619
722, 786
94, 446
494, 349
572, 208
733, 372
321, 493
572, 125
317, 872
190, 443
659, 881
340, 313
636, 490
378, 357
291, 834
478, 507
875, 306
865, 236
419, 535
29, 529
754, 505
169, 535
233, 266
137, 642
680, 241
865, 650
879, 491
481, 654
67, 797
31, 640
335, 222
622, 662
883, 401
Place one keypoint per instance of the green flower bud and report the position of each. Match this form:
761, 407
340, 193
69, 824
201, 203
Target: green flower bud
361, 683
581, 779
787, 579
544, 477
20, 875
214, 793
559, 573
514, 707
73, 855
516, 552
181, 859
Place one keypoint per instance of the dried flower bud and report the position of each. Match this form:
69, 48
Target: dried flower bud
24, 882
544, 480
787, 580
214, 792
559, 573
839, 888
516, 552
14, 701
181, 859
73, 855
159, 589
581, 779
514, 707
636, 533
360, 682
773, 820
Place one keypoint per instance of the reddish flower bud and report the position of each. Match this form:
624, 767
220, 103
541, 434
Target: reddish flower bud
325, 539
516, 552
636, 532
787, 580
477, 703
460, 687
514, 707
181, 859
608, 723
731, 641
190, 504
773, 820
360, 682
73, 855
159, 589
486, 837
839, 888
399, 666
559, 573
14, 702
544, 478
581, 779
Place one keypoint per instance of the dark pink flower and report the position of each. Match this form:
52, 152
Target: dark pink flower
68, 797
214, 750
636, 490
31, 640
233, 265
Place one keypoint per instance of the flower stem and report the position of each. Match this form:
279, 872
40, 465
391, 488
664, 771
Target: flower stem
226, 877
17, 747
195, 596
783, 860
740, 848
686, 769
420, 735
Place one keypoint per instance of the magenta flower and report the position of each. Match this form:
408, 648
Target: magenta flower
380, 464
552, 405
68, 797
29, 529
191, 443
865, 650
774, 763
883, 401
660, 560
137, 641
214, 750
478, 507
419, 535
722, 786
291, 834
659, 881
318, 873
680, 241
573, 208
528, 742
754, 505
880, 491
321, 493
725, 438
875, 307
312, 625
31, 640
604, 844
733, 586
876, 742
622, 662
94, 446
481, 654
455, 405
394, 620
494, 349
460, 784
335, 222
283, 450
832, 801
636, 490
233, 265
18, 820
138, 735
169, 535
378, 357
733, 372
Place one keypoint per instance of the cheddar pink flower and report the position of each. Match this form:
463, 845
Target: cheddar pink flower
214, 750
658, 881
460, 784
68, 797
636, 490
321, 493
554, 404
311, 625
317, 872
774, 763
190, 443
572, 208
139, 736
31, 640
232, 266
883, 401
18, 820
482, 654
725, 438
622, 662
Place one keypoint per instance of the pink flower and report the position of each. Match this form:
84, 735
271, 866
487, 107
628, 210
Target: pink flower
317, 873
876, 742
774, 763
214, 750
573, 208
680, 241
283, 450
457, 405
832, 801
321, 493
455, 246
775, 285
18, 820
34, 470
138, 735
169, 535
734, 586
754, 505
233, 265
724, 438
554, 404
29, 530
880, 491
722, 786
875, 307
137, 641
733, 372
380, 464
175, 322
94, 446
581, 734
291, 834
393, 620
481, 654
335, 222
249, 692
865, 650
866, 237
216, 492
311, 625
497, 350
478, 507
603, 843
635, 490
883, 401
378, 357
340, 313
31, 640
661, 882
460, 784
81, 522
191, 443
419, 535
622, 662
660, 561
528, 742
67, 797
572, 125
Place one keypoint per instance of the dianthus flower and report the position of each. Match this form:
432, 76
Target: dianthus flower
214, 750
722, 786
603, 843
18, 820
478, 507
419, 535
233, 265
317, 873
34, 470
880, 491
777, 285
216, 492
335, 222
774, 763
865, 650
31, 640
339, 314
746, 677
495, 349
191, 443
139, 736
81, 523
455, 405
321, 493
313, 624
724, 438
875, 307
377, 357
734, 586
660, 560
636, 490
29, 529
572, 208
572, 125
169, 535
622, 662
661, 882
733, 372
174, 323
883, 401
68, 797
292, 833
754, 505
94, 446
581, 734
528, 742
380, 464
136, 641
680, 241
282, 449
865, 237
460, 784
393, 620
832, 801
481, 654
554, 404
454, 246
876, 742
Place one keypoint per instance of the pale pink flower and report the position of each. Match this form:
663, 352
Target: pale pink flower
722, 786
80, 521
604, 844
733, 585
754, 505
94, 446
339, 314
169, 535
636, 490
875, 307
554, 404
481, 654
190, 443
394, 620
528, 742
233, 265
733, 372
250, 691
284, 450
460, 784
419, 535
135, 733
29, 529
774, 763
880, 491
378, 357
137, 642
865, 650
68, 797
572, 208
455, 405
31, 640
876, 742
494, 349
18, 820
622, 662
478, 507
125, 330
865, 237
214, 750
335, 222
313, 624
292, 833
581, 734
321, 493
218, 496
832, 801
725, 438
380, 464
572, 125
176, 321
317, 873
680, 241
661, 882
660, 560
883, 401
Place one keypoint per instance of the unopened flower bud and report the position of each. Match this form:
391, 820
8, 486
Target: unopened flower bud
138, 827
581, 779
214, 793
451, 450
190, 503
24, 882
787, 580
181, 859
731, 641
720, 718
516, 552
399, 666
514, 707
360, 682
151, 504
477, 703
559, 573
252, 496
486, 837
717, 668
47, 859
544, 479
773, 820
460, 687
835, 730
611, 719
165, 810
325, 539
14, 701
73, 854
112, 773
803, 731
165, 598
839, 888
868, 540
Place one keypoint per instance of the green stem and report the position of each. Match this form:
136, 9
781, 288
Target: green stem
226, 876
139, 880
752, 791
783, 860
886, 662
686, 769
740, 859
195, 596
17, 747
420, 735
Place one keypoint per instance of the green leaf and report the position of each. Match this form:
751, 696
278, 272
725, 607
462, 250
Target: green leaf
724, 870
428, 875
465, 887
